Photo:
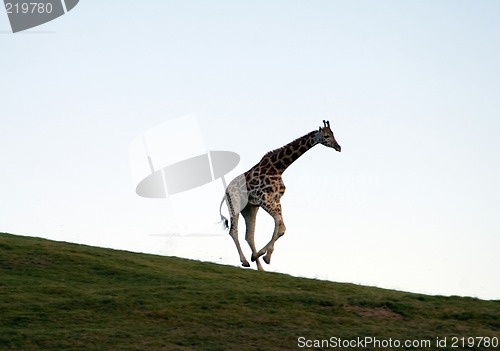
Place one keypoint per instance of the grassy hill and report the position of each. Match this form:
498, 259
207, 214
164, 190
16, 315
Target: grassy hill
60, 296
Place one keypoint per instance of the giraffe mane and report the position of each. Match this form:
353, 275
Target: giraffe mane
269, 153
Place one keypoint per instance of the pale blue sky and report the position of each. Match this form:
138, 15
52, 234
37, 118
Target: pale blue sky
411, 89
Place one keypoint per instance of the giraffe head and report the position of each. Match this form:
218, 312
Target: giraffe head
325, 136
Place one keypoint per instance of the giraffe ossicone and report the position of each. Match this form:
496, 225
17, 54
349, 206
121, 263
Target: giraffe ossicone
262, 186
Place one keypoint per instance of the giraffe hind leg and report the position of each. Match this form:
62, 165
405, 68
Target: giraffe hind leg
233, 232
233, 203
250, 214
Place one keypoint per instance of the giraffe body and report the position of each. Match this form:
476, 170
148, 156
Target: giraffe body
262, 186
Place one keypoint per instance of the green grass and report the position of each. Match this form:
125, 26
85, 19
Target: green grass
60, 296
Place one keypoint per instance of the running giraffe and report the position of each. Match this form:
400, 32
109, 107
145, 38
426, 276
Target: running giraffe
262, 186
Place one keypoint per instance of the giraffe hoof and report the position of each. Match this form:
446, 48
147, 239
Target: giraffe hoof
245, 264
253, 258
267, 259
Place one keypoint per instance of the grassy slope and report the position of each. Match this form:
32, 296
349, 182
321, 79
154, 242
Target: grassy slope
59, 296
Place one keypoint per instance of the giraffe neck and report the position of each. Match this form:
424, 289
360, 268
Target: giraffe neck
280, 159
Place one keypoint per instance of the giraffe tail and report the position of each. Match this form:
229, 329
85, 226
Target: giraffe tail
224, 221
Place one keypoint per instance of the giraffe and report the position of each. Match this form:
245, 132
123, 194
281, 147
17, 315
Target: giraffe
262, 186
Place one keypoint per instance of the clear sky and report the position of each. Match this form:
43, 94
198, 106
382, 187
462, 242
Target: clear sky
411, 89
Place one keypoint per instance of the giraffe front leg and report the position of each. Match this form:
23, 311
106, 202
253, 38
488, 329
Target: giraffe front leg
279, 230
